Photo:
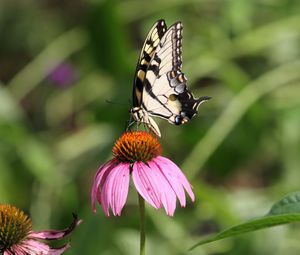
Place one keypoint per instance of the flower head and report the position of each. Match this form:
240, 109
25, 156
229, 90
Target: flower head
136, 146
157, 179
17, 237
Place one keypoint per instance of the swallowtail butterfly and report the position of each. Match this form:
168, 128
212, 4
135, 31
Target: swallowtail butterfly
159, 87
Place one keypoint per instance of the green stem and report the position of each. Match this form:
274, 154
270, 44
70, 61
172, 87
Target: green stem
142, 225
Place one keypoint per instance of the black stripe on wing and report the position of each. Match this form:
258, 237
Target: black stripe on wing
168, 54
152, 41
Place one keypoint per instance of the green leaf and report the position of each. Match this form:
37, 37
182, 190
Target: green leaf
288, 204
285, 211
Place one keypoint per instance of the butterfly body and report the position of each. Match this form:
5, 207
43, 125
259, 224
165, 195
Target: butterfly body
159, 86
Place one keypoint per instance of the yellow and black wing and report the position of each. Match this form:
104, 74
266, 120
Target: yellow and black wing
152, 40
165, 93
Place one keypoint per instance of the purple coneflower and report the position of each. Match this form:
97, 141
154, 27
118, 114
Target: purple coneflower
17, 237
157, 179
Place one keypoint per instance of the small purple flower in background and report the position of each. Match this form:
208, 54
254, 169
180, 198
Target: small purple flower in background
17, 237
63, 75
157, 179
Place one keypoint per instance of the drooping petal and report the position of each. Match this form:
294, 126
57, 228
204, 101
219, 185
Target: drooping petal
143, 181
153, 186
173, 170
167, 194
99, 180
170, 175
120, 190
56, 234
115, 189
34, 247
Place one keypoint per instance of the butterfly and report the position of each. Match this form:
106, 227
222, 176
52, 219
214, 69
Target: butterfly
159, 87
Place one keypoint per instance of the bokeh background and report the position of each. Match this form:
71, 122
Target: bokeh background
66, 72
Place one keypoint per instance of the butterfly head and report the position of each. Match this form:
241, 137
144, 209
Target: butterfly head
181, 119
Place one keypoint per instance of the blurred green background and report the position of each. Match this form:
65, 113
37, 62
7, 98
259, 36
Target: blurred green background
62, 60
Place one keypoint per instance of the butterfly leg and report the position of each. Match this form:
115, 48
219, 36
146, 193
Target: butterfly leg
151, 125
130, 123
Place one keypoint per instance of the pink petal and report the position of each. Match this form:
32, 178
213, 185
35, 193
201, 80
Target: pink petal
170, 175
99, 180
171, 168
56, 234
143, 181
120, 190
115, 189
33, 247
167, 194
9, 253
153, 186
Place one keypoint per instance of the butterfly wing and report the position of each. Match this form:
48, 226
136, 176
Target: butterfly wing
152, 40
165, 93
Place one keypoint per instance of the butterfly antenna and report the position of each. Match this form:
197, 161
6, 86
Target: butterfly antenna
115, 103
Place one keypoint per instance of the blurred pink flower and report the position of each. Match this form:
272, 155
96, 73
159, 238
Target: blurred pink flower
17, 237
63, 75
157, 179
